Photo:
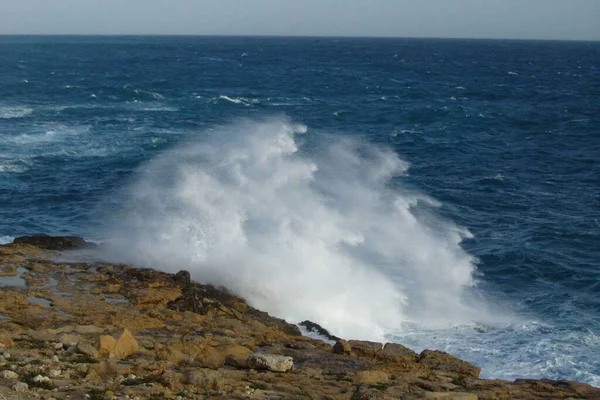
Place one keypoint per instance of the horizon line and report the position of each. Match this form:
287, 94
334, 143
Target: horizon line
285, 36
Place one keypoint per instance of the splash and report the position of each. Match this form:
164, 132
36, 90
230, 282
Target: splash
322, 232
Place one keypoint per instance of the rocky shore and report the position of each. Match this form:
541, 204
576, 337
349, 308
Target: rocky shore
90, 330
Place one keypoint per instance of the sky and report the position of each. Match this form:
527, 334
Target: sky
513, 19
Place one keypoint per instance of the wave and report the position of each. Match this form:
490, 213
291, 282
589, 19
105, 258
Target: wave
321, 232
14, 112
6, 239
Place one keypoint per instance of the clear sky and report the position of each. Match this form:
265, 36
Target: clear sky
526, 19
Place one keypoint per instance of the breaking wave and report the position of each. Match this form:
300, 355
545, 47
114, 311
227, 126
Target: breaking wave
322, 232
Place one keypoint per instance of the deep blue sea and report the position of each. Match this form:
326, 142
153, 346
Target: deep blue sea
438, 193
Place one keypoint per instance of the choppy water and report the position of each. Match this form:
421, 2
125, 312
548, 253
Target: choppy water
440, 193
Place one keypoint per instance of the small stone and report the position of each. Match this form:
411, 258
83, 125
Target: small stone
6, 355
20, 387
55, 372
58, 346
131, 376
6, 342
40, 378
10, 375
271, 362
55, 359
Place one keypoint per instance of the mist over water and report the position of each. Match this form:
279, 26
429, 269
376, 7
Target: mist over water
324, 232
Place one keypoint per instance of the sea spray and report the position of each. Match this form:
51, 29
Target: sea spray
324, 233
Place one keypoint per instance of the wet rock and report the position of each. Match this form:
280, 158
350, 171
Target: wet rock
314, 327
440, 360
54, 242
271, 362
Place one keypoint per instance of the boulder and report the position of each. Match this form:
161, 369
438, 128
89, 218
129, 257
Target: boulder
439, 360
342, 347
235, 355
397, 353
271, 362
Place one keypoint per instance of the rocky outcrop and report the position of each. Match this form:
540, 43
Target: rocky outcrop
54, 242
110, 331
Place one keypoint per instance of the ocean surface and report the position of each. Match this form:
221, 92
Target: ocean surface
438, 193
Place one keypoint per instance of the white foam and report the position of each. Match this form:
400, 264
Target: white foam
318, 236
14, 112
6, 239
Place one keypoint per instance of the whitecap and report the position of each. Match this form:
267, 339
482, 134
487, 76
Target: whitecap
15, 112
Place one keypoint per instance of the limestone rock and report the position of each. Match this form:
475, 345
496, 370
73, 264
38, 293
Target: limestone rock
363, 348
271, 362
10, 375
87, 349
126, 345
235, 355
367, 377
54, 242
88, 329
106, 346
449, 396
397, 353
440, 360
211, 358
20, 387
69, 340
342, 347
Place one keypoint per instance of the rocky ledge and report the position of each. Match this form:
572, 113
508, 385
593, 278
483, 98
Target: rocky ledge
85, 330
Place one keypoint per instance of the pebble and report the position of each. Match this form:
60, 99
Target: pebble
55, 359
10, 375
6, 354
58, 346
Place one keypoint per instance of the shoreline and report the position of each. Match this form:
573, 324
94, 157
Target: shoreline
111, 330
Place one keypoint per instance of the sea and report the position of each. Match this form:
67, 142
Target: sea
443, 194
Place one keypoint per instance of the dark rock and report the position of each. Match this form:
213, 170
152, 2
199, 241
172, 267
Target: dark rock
314, 327
55, 242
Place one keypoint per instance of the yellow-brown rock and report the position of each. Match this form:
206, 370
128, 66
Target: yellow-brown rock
106, 346
126, 345
373, 376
